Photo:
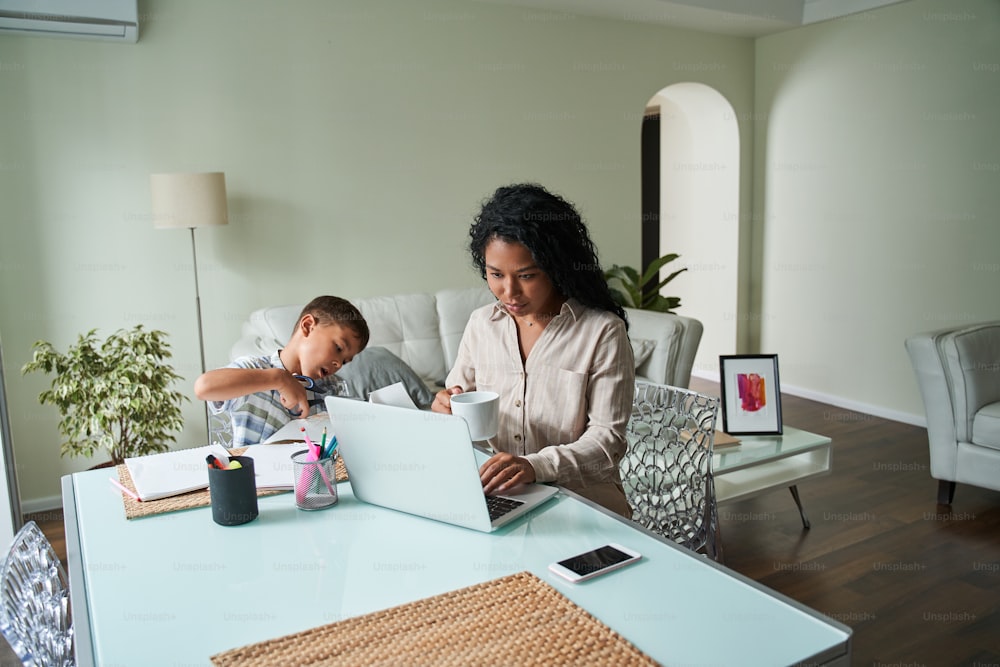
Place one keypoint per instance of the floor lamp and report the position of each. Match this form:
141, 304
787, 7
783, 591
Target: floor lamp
190, 200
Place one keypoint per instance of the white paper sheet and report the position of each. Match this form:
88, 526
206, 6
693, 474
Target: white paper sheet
272, 464
314, 426
394, 394
172, 473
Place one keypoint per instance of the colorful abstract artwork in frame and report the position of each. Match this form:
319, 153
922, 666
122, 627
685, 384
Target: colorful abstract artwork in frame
752, 390
751, 398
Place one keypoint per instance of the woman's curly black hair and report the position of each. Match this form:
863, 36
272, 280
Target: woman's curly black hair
552, 230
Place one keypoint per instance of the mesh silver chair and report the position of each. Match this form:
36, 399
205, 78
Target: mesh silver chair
667, 467
34, 602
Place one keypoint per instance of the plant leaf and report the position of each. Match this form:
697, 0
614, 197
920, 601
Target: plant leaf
662, 304
654, 267
659, 286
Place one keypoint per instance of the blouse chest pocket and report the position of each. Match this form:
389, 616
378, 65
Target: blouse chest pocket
558, 398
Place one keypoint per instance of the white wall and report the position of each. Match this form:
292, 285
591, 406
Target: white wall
876, 192
700, 213
10, 506
357, 138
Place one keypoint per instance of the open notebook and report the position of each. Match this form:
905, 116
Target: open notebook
394, 394
176, 472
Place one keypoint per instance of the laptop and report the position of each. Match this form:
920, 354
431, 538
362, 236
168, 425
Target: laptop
422, 463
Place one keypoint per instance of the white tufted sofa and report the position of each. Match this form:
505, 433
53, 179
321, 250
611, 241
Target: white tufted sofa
424, 330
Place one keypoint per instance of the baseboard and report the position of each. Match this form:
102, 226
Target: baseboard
837, 401
711, 376
41, 505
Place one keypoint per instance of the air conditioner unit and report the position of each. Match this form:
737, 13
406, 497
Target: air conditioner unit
115, 20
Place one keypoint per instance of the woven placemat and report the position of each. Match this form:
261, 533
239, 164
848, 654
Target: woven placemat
184, 501
515, 620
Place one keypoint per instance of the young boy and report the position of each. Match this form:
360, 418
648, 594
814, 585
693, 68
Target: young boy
262, 394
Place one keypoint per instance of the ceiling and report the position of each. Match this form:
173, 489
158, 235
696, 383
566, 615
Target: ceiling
743, 18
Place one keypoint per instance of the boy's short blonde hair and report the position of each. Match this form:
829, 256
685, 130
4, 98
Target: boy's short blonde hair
335, 310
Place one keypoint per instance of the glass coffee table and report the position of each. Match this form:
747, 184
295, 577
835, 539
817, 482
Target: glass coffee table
763, 463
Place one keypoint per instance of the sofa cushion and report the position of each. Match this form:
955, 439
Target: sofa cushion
376, 367
676, 340
986, 426
407, 326
267, 330
641, 349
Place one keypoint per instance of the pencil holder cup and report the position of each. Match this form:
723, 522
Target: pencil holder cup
233, 493
315, 481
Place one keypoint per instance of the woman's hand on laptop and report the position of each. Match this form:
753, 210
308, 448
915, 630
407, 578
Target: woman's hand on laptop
504, 471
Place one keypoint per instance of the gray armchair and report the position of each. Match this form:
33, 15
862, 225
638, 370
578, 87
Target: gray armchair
958, 371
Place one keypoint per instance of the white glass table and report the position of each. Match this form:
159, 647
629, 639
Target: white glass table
176, 588
762, 463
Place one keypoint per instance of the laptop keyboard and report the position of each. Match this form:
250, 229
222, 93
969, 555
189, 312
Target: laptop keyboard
499, 506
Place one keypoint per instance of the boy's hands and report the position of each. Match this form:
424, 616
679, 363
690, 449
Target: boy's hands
293, 395
223, 384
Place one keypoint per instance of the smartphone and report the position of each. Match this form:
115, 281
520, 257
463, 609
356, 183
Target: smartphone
592, 563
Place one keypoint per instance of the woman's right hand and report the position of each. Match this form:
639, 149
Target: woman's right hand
442, 399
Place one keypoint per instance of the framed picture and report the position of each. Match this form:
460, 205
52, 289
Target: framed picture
751, 395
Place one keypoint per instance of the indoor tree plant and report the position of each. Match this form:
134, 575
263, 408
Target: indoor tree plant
632, 290
114, 394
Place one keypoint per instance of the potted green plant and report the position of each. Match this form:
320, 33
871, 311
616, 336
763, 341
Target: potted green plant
113, 395
632, 290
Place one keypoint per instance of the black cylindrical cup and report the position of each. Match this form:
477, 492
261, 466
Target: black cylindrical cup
234, 493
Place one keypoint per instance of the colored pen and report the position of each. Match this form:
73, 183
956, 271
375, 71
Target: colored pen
322, 444
331, 448
124, 489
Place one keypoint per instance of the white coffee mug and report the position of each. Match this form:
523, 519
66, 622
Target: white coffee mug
481, 410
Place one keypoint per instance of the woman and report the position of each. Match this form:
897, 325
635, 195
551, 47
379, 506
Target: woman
554, 346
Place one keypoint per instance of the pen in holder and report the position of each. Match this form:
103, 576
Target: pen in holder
315, 480
233, 493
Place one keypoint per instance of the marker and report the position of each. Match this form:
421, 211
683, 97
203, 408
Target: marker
322, 444
124, 489
310, 444
214, 462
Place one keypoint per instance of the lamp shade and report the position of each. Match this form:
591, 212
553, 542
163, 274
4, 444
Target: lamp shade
189, 200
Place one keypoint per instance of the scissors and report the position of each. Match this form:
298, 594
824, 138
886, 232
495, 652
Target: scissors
306, 381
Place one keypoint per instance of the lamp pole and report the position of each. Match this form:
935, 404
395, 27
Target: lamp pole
201, 335
190, 200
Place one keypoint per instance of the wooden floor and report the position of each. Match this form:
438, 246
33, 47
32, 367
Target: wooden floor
919, 583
